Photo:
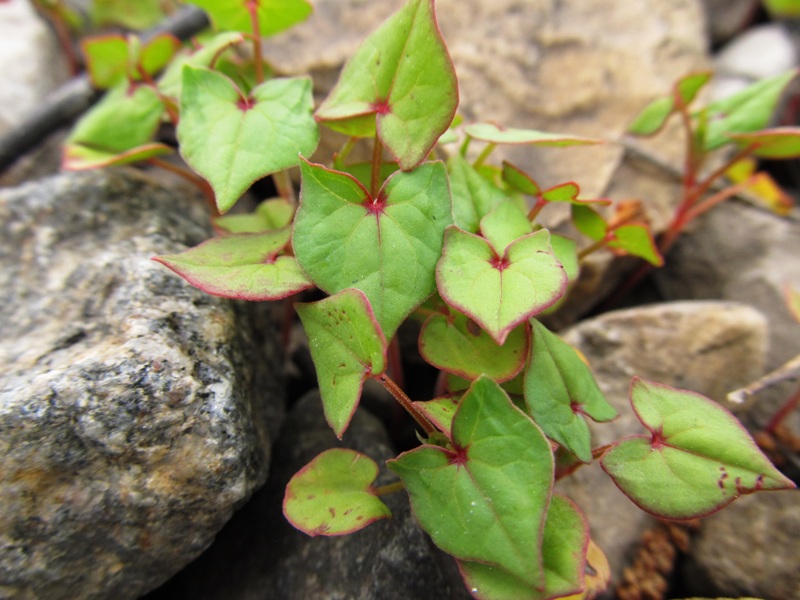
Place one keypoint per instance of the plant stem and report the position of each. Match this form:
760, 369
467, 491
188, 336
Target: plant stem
537, 208
389, 488
395, 363
484, 155
601, 243
375, 177
406, 403
792, 403
283, 184
252, 8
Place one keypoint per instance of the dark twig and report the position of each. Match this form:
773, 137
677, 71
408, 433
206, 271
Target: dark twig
76, 96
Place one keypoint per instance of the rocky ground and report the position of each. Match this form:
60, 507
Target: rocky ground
148, 430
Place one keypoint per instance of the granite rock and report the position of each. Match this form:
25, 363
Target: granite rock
748, 549
708, 347
135, 411
260, 556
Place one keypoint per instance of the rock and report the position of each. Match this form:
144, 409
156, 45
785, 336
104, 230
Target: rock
748, 549
744, 254
761, 52
708, 347
135, 411
726, 18
32, 65
259, 555
568, 66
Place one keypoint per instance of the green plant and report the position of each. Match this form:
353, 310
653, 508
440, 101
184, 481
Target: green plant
455, 244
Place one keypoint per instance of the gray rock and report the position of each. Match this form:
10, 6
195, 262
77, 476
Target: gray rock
763, 51
748, 549
728, 17
135, 411
260, 556
741, 253
708, 347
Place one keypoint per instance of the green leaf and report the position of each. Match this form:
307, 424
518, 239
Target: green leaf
652, 117
400, 81
473, 196
564, 192
485, 500
440, 412
133, 114
566, 252
110, 59
697, 458
505, 223
233, 141
333, 494
171, 79
519, 180
270, 215
637, 240
455, 344
347, 346
776, 143
690, 85
273, 16
566, 537
783, 9
499, 291
495, 134
138, 15
560, 391
744, 112
589, 222
243, 266
387, 246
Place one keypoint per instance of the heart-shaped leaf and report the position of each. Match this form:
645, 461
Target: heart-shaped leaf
270, 215
777, 143
485, 500
564, 545
111, 59
272, 15
496, 134
505, 223
242, 267
473, 195
697, 458
385, 246
333, 494
400, 80
744, 112
589, 222
233, 140
455, 344
560, 391
566, 252
499, 291
347, 346
133, 113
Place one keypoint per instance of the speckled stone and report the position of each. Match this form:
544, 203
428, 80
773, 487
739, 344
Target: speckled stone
135, 410
259, 556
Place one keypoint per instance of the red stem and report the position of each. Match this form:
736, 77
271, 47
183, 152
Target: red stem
252, 8
375, 177
195, 180
406, 403
785, 410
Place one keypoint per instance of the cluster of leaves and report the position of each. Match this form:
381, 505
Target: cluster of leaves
454, 243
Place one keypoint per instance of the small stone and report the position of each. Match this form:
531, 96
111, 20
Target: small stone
760, 52
726, 18
136, 412
748, 549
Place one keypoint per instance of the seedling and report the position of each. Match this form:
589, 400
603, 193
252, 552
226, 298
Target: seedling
455, 244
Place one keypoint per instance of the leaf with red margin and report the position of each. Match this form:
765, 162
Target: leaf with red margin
241, 266
333, 494
499, 291
486, 499
638, 241
440, 412
564, 547
273, 15
347, 346
696, 459
385, 246
400, 81
560, 391
474, 196
457, 345
776, 143
496, 134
